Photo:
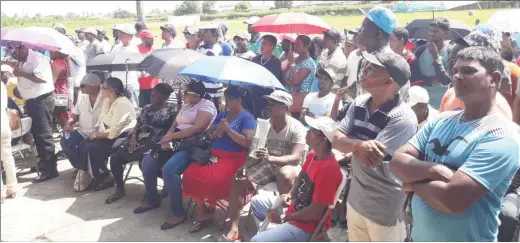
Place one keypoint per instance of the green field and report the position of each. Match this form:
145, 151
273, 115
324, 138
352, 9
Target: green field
338, 22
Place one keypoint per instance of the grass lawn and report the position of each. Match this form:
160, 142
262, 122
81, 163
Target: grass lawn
235, 26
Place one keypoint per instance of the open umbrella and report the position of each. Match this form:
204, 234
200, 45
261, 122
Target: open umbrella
291, 23
232, 70
505, 21
428, 6
40, 38
115, 61
418, 29
167, 63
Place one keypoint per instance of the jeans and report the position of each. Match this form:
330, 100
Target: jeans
285, 232
41, 109
509, 217
171, 174
260, 205
71, 147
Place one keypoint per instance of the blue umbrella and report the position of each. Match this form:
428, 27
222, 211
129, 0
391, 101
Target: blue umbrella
232, 70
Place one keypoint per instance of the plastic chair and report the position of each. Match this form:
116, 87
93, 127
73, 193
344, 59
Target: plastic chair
19, 148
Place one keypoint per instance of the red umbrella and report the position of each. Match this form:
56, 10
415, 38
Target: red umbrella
301, 23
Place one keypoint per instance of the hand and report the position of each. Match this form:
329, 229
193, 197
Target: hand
224, 125
168, 137
407, 187
274, 216
92, 135
219, 132
371, 153
433, 50
442, 173
13, 63
262, 154
286, 198
290, 57
17, 72
67, 128
133, 144
340, 94
165, 145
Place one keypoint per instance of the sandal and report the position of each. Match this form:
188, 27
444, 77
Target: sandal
10, 193
224, 238
74, 173
103, 185
199, 225
118, 194
167, 225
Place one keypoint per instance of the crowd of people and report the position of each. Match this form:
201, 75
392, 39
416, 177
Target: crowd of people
428, 134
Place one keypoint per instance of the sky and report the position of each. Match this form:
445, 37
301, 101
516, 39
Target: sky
31, 8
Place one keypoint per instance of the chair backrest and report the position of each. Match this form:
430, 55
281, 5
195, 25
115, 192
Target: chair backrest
25, 127
340, 188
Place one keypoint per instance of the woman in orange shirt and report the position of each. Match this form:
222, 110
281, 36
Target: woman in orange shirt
450, 102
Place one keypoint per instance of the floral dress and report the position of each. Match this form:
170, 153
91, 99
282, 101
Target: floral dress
60, 87
307, 82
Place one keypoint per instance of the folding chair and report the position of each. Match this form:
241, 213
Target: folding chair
329, 209
21, 147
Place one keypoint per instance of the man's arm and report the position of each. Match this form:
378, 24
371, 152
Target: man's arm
28, 75
312, 212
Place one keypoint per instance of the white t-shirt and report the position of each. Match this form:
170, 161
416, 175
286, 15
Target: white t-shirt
132, 75
319, 106
136, 41
88, 115
83, 45
3, 111
174, 44
107, 47
337, 62
213, 50
93, 49
40, 66
188, 113
432, 114
352, 67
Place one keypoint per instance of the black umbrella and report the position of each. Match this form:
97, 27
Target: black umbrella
116, 61
418, 29
167, 63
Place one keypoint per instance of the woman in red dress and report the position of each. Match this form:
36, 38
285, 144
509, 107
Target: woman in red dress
61, 73
232, 133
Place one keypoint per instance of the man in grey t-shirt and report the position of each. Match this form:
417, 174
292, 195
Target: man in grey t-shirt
376, 125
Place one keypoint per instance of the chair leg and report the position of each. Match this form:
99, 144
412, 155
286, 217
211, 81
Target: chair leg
189, 206
128, 171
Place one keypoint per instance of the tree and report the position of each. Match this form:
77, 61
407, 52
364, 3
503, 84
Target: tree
283, 4
123, 14
243, 6
187, 7
208, 7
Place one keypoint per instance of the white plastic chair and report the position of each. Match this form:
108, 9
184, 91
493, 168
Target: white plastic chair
21, 146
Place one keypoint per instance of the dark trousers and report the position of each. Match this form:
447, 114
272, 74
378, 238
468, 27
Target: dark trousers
97, 152
41, 110
144, 97
509, 217
122, 157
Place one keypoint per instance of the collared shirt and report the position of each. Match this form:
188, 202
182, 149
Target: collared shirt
83, 45
93, 49
40, 66
88, 114
117, 117
132, 75
107, 47
337, 62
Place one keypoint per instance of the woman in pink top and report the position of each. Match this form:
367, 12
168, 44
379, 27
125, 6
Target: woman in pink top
194, 118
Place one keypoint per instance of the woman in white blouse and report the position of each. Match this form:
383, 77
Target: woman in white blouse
116, 121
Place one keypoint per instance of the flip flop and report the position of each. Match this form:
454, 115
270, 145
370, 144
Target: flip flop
224, 238
114, 197
199, 225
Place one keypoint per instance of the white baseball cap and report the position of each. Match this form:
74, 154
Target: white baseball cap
125, 28
324, 124
418, 94
252, 20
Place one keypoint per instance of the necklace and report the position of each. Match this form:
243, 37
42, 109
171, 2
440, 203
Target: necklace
263, 63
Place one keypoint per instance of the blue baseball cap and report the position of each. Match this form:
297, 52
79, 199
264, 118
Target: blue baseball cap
384, 18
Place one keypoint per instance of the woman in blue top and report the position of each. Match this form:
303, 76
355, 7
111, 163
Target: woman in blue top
232, 133
299, 76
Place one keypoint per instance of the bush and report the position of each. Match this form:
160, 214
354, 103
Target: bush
123, 14
318, 10
187, 7
242, 6
208, 7
283, 4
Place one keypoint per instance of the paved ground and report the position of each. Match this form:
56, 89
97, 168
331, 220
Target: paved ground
52, 211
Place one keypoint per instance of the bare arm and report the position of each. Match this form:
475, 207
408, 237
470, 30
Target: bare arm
335, 110
243, 139
343, 143
292, 159
312, 212
202, 121
56, 70
297, 76
455, 196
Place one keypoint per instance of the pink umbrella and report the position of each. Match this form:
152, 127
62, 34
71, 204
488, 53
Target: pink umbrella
301, 23
40, 38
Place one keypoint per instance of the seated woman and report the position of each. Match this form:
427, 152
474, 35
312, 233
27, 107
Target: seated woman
114, 124
194, 118
156, 118
232, 133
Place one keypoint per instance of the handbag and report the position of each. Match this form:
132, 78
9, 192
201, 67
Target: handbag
199, 146
61, 103
82, 181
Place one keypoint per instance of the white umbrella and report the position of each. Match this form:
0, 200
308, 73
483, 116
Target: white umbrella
40, 38
505, 21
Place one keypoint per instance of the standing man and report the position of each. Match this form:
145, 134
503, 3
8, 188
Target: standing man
398, 42
242, 49
147, 81
210, 46
333, 57
256, 38
374, 35
126, 33
191, 35
168, 35
509, 43
36, 86
83, 43
103, 38
432, 61
94, 47
460, 165
139, 26
375, 126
